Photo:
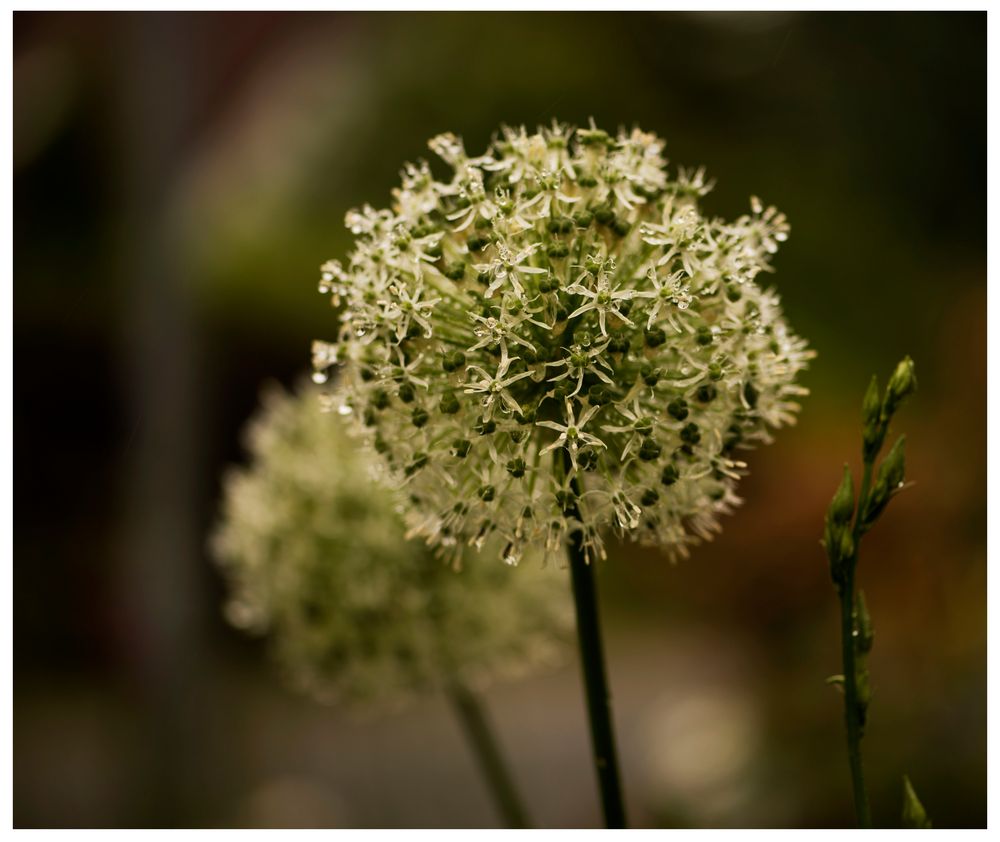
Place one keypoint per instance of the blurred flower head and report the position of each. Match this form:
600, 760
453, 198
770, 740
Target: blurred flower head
556, 338
313, 548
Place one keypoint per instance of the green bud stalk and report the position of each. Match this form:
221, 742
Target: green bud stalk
842, 538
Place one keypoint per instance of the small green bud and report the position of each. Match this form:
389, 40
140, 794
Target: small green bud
406, 393
887, 482
874, 430
706, 393
603, 214
650, 497
842, 505
454, 272
566, 501
690, 433
655, 337
620, 226
670, 475
516, 467
485, 427
449, 404
419, 417
419, 460
871, 404
902, 384
649, 451
678, 408
914, 815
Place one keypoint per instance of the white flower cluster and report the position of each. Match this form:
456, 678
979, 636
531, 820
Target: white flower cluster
313, 548
555, 338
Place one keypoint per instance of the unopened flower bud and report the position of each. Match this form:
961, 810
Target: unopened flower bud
914, 815
842, 505
902, 384
887, 482
874, 429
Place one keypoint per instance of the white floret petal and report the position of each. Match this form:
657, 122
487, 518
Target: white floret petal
571, 263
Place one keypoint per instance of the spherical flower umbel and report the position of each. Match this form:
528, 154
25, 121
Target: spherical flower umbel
314, 550
556, 338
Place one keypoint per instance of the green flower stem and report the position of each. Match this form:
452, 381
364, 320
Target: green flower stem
852, 707
480, 736
594, 677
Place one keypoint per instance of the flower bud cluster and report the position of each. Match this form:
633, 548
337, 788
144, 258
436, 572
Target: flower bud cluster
556, 338
313, 547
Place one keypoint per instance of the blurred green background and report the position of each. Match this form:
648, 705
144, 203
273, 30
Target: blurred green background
178, 180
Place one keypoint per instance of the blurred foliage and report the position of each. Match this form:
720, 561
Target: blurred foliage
178, 180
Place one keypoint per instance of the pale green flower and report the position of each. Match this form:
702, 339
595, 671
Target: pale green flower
313, 548
561, 280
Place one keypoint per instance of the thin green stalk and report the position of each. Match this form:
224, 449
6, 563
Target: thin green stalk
480, 736
594, 676
848, 637
846, 523
852, 711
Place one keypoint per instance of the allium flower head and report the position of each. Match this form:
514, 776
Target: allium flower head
313, 547
556, 338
